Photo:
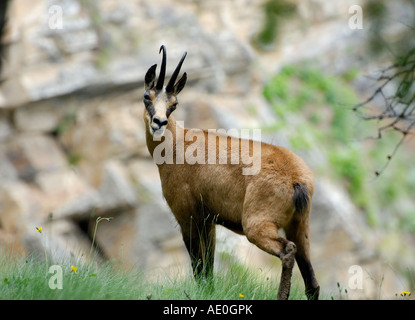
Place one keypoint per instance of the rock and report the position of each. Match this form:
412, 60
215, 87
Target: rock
67, 195
8, 172
61, 240
79, 208
115, 190
230, 244
156, 226
79, 201
66, 240
31, 154
339, 213
138, 236
43, 116
6, 129
73, 139
108, 127
339, 236
240, 115
18, 202
117, 240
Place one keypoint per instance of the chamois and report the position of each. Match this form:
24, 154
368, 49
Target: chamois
203, 194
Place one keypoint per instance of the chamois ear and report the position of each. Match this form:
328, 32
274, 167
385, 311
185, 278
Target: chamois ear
150, 77
180, 84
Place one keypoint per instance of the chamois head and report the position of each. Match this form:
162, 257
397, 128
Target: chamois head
161, 101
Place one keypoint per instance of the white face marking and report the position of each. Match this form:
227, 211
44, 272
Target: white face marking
160, 113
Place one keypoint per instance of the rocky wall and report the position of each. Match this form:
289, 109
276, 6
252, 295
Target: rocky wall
72, 140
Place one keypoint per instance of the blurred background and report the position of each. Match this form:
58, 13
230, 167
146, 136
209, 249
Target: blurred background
72, 138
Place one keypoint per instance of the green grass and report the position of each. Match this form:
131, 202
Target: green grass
28, 279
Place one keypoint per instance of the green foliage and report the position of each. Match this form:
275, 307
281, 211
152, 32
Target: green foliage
275, 11
350, 75
323, 100
315, 112
407, 220
308, 91
346, 163
74, 158
295, 88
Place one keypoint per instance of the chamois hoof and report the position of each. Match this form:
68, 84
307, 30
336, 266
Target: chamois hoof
290, 248
288, 258
313, 293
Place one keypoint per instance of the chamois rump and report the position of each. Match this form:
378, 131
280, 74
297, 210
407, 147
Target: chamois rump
203, 195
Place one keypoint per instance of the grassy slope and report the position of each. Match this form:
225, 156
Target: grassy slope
28, 279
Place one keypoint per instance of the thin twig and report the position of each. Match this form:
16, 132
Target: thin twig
399, 108
187, 295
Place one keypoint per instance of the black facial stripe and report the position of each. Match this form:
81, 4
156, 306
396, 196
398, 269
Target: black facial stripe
150, 110
170, 110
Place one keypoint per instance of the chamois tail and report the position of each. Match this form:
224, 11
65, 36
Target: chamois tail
300, 197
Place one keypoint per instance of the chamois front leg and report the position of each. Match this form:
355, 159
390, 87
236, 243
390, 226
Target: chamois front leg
200, 239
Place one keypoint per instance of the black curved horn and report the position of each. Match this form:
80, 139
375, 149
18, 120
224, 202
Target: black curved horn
170, 85
160, 80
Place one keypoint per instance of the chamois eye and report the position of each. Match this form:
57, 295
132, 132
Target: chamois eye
147, 97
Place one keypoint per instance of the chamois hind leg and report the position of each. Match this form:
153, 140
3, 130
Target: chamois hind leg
264, 234
298, 232
200, 239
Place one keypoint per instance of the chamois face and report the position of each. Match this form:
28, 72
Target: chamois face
161, 101
159, 106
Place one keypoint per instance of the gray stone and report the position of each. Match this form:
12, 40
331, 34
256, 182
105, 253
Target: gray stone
115, 190
31, 154
74, 143
41, 116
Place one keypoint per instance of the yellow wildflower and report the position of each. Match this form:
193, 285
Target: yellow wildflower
241, 295
39, 229
74, 269
405, 293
